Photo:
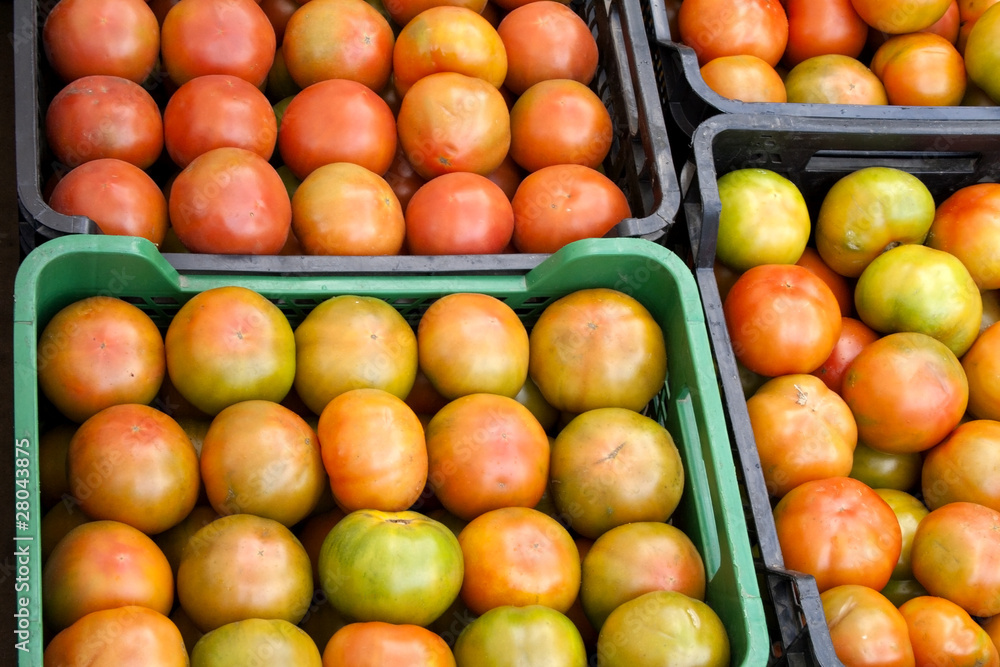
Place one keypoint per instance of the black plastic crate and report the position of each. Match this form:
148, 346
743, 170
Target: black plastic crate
813, 153
639, 162
689, 101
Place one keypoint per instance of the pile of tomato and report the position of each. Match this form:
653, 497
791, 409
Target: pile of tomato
868, 343
334, 127
900, 52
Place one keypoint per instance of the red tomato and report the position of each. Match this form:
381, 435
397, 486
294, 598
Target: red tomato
508, 176
819, 28
853, 535
982, 366
123, 349
744, 77
518, 556
803, 430
920, 68
959, 468
838, 284
337, 120
563, 203
940, 629
716, 28
451, 122
785, 307
230, 201
117, 195
900, 16
866, 628
544, 40
278, 13
460, 213
102, 565
113, 37
378, 644
338, 39
139, 636
833, 79
967, 225
403, 11
217, 110
854, 335
907, 392
403, 178
345, 209
102, 116
217, 37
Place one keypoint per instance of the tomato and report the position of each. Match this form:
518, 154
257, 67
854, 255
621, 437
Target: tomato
56, 523
403, 11
966, 226
345, 209
940, 629
745, 78
134, 464
866, 628
123, 349
126, 636
833, 79
230, 344
217, 110
337, 120
373, 451
509, 635
992, 627
246, 641
544, 40
485, 452
949, 25
838, 284
820, 28
395, 567
423, 398
117, 195
596, 348
403, 178
518, 556
313, 530
786, 307
920, 69
322, 621
803, 430
562, 203
854, 536
450, 122
113, 37
377, 644
749, 197
907, 392
101, 565
531, 397
612, 466
881, 470
899, 591
559, 121
448, 38
869, 211
991, 310
900, 16
338, 39
716, 28
217, 37
854, 335
982, 366
103, 116
243, 566
173, 540
909, 512
278, 13
663, 628
460, 213
958, 468
636, 558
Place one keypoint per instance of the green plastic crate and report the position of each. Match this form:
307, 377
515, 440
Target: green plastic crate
711, 511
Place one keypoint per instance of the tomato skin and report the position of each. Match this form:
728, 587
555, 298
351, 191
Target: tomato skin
562, 203
245, 641
980, 52
866, 628
142, 636
782, 306
965, 225
909, 511
920, 69
745, 78
508, 633
958, 468
938, 627
459, 213
716, 28
112, 37
403, 11
982, 365
855, 537
818, 28
884, 470
854, 335
378, 644
124, 350
833, 78
900, 16
841, 287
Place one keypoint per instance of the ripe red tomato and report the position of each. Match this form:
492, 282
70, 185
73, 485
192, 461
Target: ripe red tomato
338, 39
102, 565
716, 28
562, 203
102, 116
230, 201
982, 365
518, 556
838, 284
508, 176
920, 68
378, 644
217, 37
854, 536
337, 120
459, 213
938, 627
123, 350
217, 110
142, 636
819, 28
785, 307
854, 335
451, 122
866, 628
117, 195
833, 79
113, 37
966, 226
345, 209
403, 178
544, 40
744, 77
278, 13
